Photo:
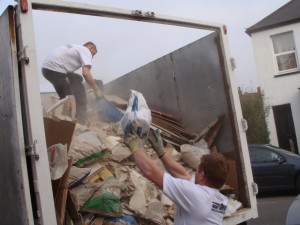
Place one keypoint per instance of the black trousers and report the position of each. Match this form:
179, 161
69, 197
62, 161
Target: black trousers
69, 84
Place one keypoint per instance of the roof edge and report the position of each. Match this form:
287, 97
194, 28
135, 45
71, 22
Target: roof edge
250, 31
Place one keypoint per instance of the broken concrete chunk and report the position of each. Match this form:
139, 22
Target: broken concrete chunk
121, 174
113, 164
192, 155
138, 180
138, 201
112, 141
154, 211
119, 153
166, 201
152, 192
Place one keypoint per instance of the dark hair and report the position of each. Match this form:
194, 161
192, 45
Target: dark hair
216, 168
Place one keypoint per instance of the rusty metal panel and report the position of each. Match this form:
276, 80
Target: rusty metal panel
13, 185
202, 95
187, 83
155, 80
199, 83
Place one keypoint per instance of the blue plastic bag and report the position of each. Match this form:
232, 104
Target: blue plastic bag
106, 111
126, 219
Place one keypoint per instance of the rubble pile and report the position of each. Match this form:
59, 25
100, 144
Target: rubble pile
103, 184
114, 172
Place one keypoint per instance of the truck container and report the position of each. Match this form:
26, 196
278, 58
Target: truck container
194, 83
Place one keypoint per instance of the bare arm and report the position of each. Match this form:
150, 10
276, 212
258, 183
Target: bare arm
86, 72
148, 168
174, 168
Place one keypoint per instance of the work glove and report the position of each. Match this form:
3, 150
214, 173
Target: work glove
156, 142
133, 141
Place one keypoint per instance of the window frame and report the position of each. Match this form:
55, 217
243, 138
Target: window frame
294, 51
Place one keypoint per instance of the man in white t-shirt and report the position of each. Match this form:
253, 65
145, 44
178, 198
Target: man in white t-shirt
197, 199
59, 67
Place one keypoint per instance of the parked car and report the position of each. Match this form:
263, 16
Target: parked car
274, 168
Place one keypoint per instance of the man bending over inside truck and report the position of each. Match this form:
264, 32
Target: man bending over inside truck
197, 197
59, 67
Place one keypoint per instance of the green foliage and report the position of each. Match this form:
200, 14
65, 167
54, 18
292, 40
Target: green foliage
255, 111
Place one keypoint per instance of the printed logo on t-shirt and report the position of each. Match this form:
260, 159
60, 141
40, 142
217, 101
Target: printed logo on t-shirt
219, 208
68, 45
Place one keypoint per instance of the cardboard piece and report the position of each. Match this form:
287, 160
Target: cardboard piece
72, 211
60, 191
60, 131
232, 180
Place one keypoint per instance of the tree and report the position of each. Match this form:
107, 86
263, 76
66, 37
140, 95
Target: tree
255, 110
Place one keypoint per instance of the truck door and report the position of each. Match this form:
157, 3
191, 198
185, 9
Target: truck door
15, 201
26, 191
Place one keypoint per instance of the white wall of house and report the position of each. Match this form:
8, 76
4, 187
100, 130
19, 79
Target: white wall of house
277, 90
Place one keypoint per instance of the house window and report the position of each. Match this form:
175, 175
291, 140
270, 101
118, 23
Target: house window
285, 51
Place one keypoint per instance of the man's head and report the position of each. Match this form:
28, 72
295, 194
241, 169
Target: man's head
92, 47
213, 170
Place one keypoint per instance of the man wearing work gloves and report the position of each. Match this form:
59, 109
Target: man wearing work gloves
197, 198
59, 67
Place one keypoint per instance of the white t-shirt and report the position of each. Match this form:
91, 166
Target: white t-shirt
68, 58
196, 204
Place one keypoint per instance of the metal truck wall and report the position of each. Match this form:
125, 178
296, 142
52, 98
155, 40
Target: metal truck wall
188, 83
12, 197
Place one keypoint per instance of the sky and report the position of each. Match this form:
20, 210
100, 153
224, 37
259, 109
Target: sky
126, 45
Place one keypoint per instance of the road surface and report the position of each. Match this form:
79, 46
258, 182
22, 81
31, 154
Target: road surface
273, 208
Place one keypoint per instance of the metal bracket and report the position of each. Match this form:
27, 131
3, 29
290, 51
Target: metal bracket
244, 125
136, 13
140, 13
233, 64
149, 14
254, 188
22, 55
33, 149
